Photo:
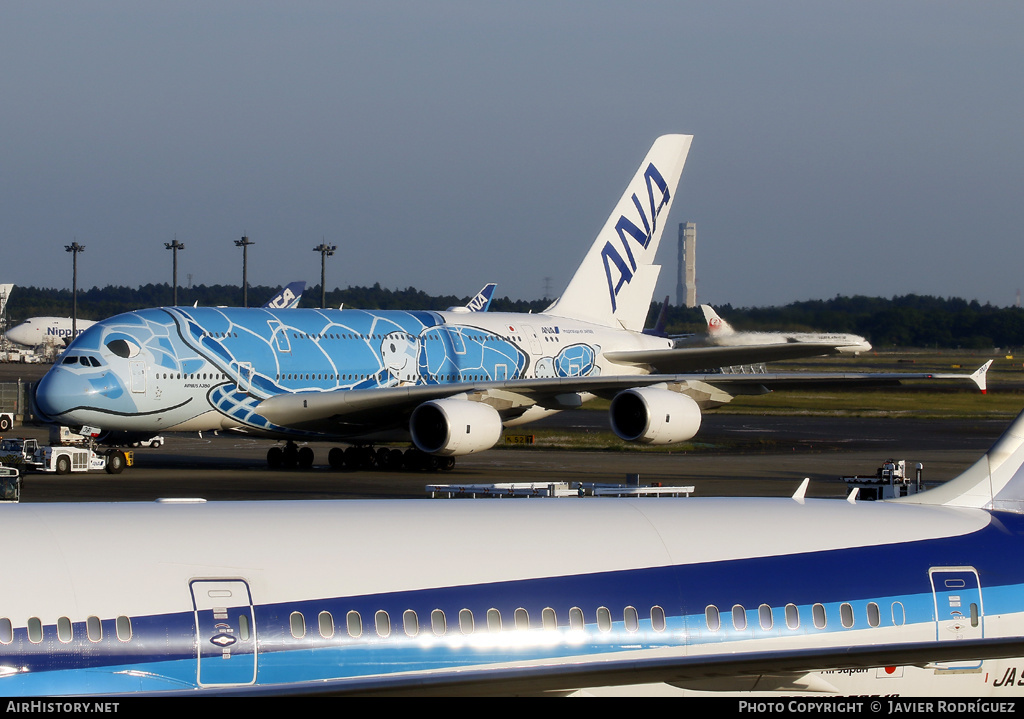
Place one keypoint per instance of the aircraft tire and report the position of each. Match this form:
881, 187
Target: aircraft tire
5, 422
396, 459
115, 462
305, 458
411, 459
336, 458
275, 457
290, 455
351, 458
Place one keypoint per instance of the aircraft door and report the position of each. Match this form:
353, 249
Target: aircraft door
531, 336
137, 372
225, 632
280, 334
244, 370
958, 609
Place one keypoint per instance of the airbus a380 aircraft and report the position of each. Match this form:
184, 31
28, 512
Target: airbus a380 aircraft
486, 596
449, 380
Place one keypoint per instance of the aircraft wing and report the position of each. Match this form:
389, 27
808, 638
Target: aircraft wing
690, 359
327, 411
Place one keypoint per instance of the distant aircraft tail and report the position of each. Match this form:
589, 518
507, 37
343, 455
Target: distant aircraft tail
482, 301
659, 327
996, 481
716, 325
614, 284
288, 298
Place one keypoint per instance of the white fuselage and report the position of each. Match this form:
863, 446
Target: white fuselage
45, 330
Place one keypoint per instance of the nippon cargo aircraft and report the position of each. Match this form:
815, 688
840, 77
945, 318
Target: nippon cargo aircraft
502, 597
722, 333
41, 330
449, 381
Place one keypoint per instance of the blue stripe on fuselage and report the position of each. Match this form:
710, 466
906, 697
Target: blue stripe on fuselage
880, 573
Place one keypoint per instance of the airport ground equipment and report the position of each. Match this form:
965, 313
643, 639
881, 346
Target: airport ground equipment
631, 488
64, 460
10, 484
65, 436
18, 450
890, 481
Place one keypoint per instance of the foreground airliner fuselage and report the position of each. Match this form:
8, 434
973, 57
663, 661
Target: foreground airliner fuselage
504, 596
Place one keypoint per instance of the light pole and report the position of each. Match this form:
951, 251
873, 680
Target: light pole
74, 248
175, 246
244, 244
325, 252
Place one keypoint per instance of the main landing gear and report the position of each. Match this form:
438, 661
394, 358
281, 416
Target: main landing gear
359, 457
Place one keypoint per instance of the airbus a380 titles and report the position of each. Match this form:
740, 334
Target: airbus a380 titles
501, 597
448, 380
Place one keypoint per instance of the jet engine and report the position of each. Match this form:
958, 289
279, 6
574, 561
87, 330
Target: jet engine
451, 427
654, 416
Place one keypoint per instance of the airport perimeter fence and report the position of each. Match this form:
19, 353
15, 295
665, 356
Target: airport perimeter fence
15, 397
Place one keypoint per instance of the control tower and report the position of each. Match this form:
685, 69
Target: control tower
686, 286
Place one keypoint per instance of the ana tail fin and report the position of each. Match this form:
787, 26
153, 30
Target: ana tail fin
288, 297
716, 325
614, 284
482, 300
996, 481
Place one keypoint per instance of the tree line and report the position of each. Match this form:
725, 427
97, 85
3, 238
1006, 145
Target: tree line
902, 321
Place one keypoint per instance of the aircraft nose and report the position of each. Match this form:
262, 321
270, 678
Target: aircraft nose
61, 391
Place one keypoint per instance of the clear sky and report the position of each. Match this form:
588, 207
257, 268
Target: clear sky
839, 148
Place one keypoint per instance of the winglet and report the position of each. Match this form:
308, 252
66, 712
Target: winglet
980, 377
801, 491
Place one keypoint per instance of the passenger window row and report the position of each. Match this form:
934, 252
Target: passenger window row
466, 622
791, 614
65, 633
193, 376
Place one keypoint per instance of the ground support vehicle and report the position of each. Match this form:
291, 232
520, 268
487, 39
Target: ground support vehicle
63, 460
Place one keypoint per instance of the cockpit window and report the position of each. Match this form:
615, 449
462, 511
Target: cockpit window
84, 360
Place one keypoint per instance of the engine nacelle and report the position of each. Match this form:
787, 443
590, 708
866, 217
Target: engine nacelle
452, 427
654, 416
